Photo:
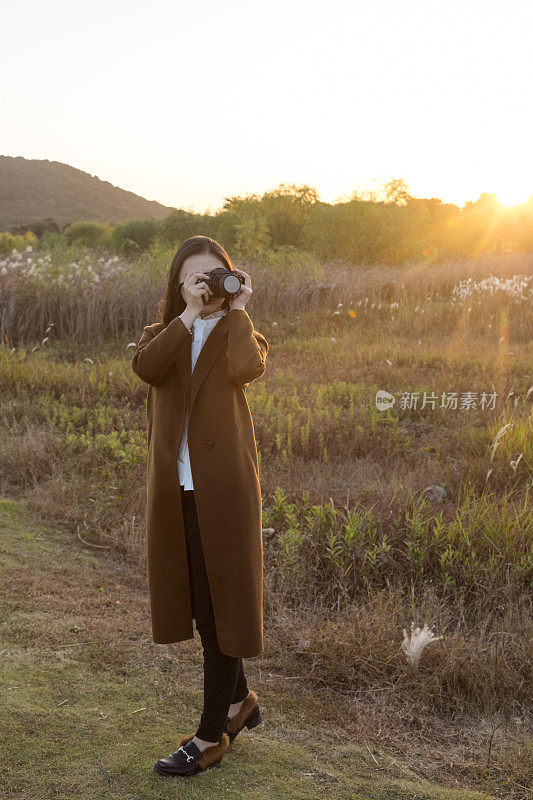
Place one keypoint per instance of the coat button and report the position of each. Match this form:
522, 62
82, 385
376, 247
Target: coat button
208, 443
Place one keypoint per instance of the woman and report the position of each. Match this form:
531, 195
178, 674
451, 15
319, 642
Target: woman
204, 509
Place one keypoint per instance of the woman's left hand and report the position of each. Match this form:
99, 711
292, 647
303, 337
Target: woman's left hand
242, 297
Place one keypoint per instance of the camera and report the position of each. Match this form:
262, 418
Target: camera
223, 282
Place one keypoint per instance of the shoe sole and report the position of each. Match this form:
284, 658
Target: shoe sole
166, 774
252, 724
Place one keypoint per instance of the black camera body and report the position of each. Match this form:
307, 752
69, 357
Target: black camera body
223, 282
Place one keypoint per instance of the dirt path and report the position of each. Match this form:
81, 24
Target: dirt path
89, 703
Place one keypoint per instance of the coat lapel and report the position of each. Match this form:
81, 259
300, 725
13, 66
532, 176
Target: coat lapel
190, 384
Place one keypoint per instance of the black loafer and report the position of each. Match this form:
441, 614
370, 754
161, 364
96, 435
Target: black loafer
248, 716
188, 759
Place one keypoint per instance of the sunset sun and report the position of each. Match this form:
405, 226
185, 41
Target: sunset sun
512, 196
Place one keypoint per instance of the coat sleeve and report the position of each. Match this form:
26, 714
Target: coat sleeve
157, 350
247, 348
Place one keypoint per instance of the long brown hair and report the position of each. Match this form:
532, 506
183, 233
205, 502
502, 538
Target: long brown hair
172, 304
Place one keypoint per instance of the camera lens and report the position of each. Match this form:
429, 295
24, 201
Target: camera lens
231, 284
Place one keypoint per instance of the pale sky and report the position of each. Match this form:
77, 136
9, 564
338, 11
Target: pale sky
188, 103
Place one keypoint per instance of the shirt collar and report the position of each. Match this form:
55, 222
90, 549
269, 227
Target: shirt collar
215, 315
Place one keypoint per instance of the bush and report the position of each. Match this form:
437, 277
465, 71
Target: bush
133, 238
88, 234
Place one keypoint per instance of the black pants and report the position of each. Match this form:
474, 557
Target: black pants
224, 678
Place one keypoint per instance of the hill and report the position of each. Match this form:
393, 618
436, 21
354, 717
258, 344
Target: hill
32, 190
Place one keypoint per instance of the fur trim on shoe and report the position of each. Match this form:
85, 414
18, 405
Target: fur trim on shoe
210, 754
244, 711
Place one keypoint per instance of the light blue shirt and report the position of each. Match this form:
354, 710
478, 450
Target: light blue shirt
201, 329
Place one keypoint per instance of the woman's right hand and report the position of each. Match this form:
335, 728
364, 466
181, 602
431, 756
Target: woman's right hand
194, 293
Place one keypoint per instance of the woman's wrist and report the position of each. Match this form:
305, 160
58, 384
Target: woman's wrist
187, 317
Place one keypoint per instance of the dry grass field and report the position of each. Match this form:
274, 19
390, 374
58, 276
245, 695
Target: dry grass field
375, 522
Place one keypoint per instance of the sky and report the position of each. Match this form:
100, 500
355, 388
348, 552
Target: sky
190, 103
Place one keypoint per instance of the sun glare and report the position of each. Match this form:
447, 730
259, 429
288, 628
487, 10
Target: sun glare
512, 197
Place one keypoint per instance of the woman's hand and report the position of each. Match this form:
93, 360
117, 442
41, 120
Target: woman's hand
242, 297
194, 293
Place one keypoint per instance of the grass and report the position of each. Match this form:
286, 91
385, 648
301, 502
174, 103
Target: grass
89, 703
356, 549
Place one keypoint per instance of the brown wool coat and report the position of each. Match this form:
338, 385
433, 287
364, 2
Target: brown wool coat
224, 468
